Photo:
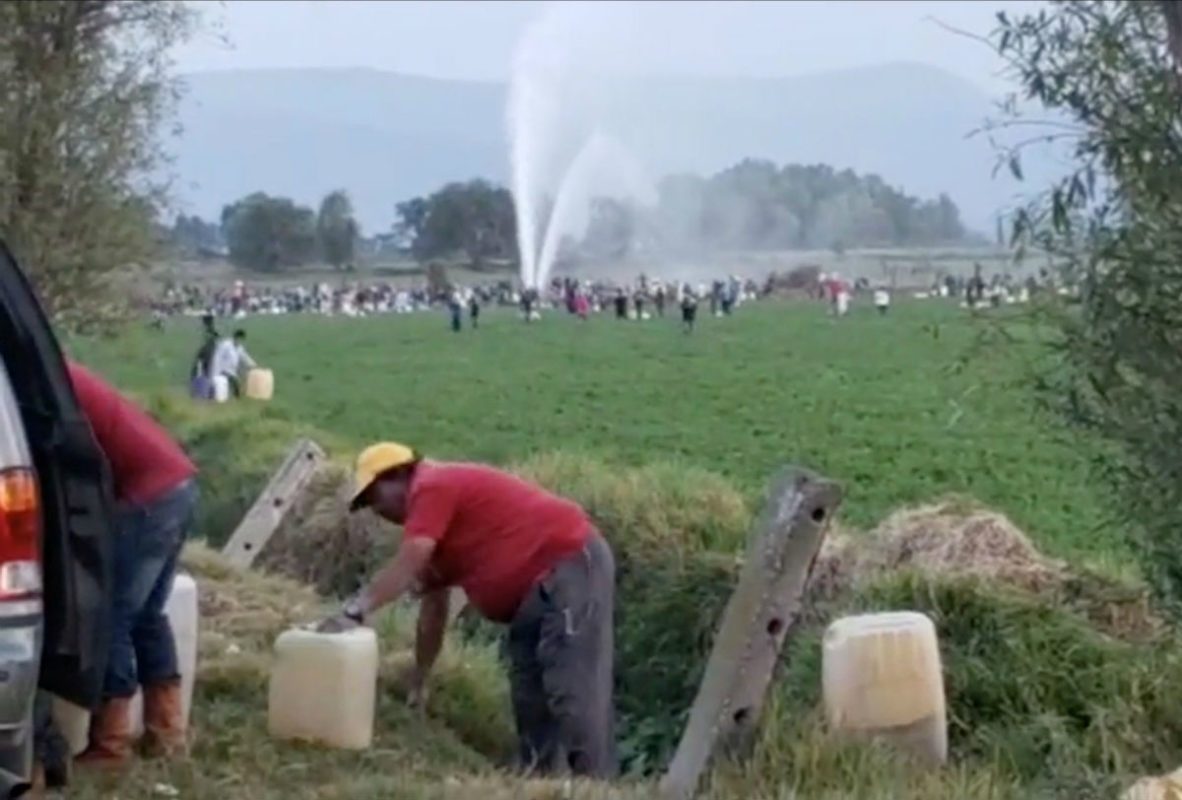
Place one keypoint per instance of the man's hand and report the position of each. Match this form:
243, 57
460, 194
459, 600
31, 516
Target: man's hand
337, 623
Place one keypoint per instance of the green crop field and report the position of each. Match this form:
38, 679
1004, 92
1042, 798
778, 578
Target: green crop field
901, 409
1053, 675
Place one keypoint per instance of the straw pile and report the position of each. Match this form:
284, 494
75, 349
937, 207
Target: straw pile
940, 539
955, 539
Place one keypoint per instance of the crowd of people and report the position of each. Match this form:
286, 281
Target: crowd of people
239, 299
640, 299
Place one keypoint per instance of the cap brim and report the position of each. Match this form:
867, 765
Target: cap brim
360, 498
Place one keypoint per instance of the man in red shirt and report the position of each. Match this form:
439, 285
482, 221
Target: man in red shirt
156, 496
525, 558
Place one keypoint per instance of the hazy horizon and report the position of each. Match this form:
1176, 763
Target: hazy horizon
698, 39
892, 93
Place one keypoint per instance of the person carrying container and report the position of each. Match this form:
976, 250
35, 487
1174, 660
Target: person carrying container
229, 359
200, 372
525, 558
156, 496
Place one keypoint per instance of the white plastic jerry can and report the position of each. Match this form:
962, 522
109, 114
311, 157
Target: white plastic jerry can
260, 384
182, 611
324, 687
73, 722
221, 388
882, 676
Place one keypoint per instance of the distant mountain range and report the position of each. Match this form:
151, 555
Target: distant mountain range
386, 137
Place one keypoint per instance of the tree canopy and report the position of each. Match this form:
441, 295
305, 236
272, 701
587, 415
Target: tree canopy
337, 230
1114, 227
474, 218
192, 236
85, 92
268, 234
754, 205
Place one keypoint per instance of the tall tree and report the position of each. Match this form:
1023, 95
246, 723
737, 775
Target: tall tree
1114, 227
412, 216
191, 235
337, 230
475, 218
269, 233
85, 93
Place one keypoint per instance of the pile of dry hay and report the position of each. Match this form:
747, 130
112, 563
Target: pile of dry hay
956, 539
319, 543
948, 538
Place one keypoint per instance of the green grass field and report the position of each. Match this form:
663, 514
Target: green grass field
889, 406
1054, 691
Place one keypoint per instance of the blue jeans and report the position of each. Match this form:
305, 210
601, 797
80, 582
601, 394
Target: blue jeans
147, 546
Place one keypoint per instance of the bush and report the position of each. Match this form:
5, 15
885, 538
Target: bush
1110, 70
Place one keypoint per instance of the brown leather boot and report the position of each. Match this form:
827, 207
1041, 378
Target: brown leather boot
37, 788
110, 735
164, 720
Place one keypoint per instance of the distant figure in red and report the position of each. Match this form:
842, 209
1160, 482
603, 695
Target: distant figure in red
582, 306
838, 292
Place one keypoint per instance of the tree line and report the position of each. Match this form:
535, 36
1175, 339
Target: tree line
754, 205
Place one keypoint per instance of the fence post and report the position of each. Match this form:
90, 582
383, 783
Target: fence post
765, 604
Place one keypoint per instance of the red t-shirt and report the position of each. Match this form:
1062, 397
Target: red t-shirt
496, 535
145, 461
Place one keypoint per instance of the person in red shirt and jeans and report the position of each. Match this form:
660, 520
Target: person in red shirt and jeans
525, 558
156, 496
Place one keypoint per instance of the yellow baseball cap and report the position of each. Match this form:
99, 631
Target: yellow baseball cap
375, 460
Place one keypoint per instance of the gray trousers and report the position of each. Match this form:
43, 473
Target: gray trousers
560, 651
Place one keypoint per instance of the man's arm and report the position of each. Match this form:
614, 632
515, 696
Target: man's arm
433, 611
397, 578
246, 359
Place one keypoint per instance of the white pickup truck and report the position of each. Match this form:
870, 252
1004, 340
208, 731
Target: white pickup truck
55, 529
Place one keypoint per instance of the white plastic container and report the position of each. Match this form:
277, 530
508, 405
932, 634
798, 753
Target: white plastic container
73, 722
1165, 787
882, 676
324, 687
221, 388
182, 611
260, 384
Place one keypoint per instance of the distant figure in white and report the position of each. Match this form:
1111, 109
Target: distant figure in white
839, 293
229, 358
882, 300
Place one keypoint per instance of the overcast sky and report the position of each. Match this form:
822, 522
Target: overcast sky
475, 40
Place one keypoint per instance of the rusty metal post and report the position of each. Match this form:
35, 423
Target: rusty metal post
765, 604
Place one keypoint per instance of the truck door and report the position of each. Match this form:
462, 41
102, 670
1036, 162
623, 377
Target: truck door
76, 494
